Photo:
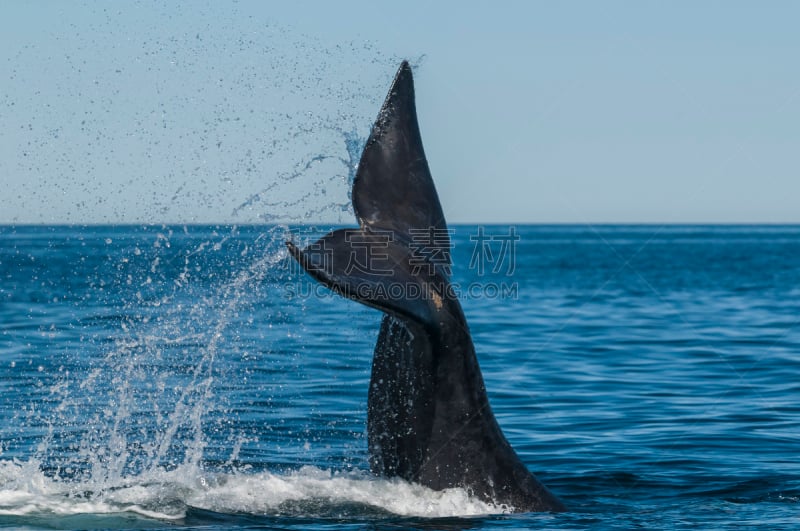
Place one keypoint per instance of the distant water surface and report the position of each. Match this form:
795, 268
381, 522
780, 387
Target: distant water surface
191, 376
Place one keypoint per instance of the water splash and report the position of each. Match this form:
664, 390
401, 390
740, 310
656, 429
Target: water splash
169, 495
308, 190
176, 126
142, 420
145, 403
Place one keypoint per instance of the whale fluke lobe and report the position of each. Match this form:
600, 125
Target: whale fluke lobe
393, 188
428, 417
333, 260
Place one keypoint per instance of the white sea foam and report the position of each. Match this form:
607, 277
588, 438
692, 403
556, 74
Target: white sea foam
168, 495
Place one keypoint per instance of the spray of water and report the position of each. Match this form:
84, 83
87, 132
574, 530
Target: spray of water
130, 416
153, 439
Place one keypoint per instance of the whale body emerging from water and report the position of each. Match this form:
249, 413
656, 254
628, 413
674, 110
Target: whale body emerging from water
428, 416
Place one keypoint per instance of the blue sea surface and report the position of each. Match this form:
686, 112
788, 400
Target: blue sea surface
192, 376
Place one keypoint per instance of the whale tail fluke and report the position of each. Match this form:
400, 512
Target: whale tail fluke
398, 261
375, 270
428, 416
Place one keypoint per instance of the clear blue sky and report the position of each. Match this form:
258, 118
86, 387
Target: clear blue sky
582, 112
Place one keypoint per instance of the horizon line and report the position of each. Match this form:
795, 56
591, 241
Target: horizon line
454, 224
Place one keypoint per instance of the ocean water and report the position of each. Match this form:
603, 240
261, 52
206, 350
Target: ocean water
184, 377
